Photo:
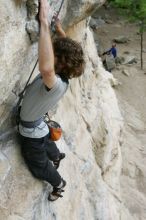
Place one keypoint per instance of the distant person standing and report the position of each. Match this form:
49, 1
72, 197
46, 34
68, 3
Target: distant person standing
109, 60
112, 51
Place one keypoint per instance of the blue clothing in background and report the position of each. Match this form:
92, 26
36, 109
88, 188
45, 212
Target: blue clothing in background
113, 51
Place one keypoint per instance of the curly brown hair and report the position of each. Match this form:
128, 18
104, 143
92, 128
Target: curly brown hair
70, 54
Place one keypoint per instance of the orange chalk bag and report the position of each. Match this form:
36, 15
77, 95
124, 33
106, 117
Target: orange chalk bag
55, 130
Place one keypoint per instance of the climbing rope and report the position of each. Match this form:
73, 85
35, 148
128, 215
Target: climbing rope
22, 93
52, 27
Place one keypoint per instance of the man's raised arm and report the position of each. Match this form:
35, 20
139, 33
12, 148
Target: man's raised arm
46, 54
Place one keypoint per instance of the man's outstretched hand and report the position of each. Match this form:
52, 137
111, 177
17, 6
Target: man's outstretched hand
43, 13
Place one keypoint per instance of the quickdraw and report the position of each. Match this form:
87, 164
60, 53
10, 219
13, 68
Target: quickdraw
56, 16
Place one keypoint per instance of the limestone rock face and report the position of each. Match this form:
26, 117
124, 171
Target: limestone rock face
88, 113
91, 139
79, 10
71, 13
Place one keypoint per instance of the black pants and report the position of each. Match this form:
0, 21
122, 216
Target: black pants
37, 153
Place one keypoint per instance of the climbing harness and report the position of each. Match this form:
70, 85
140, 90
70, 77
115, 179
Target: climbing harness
55, 130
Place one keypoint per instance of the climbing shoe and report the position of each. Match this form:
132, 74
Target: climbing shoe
57, 162
56, 193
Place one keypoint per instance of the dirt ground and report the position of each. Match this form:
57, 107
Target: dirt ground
133, 88
131, 95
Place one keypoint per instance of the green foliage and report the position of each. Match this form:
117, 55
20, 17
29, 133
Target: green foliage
123, 3
135, 8
136, 11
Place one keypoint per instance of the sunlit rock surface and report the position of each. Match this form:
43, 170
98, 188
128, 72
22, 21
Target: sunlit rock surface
88, 113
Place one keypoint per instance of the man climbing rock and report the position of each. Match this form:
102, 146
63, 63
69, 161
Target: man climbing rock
59, 61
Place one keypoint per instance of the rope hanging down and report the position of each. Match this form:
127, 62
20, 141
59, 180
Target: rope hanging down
52, 27
22, 93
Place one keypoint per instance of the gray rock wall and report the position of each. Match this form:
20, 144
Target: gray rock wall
17, 54
89, 115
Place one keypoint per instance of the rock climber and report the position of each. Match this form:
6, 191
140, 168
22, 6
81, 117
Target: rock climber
59, 61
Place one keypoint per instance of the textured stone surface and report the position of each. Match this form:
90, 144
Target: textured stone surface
92, 165
17, 54
131, 98
90, 118
4, 167
71, 12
